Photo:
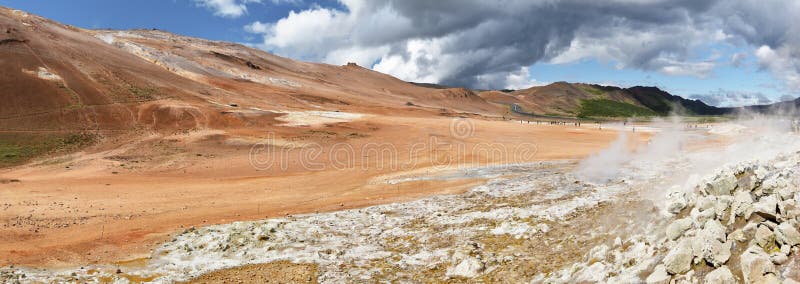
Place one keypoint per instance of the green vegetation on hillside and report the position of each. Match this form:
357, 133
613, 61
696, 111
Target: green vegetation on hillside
16, 149
592, 90
609, 108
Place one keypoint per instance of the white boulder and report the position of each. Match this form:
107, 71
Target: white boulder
659, 276
722, 184
676, 229
786, 234
679, 258
742, 204
721, 275
677, 201
763, 236
756, 266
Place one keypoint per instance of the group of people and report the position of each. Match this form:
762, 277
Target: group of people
552, 122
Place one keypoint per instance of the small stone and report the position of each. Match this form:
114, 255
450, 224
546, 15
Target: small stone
659, 276
779, 258
598, 253
738, 236
470, 267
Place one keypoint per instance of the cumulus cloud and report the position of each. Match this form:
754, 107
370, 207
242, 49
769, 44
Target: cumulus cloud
730, 98
226, 8
486, 44
521, 80
784, 63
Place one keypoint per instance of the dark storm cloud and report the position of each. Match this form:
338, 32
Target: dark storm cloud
475, 43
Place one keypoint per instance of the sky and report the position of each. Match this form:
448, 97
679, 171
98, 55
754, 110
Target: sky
723, 52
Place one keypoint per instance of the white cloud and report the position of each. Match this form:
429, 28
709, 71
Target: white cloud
409, 67
783, 63
648, 50
257, 27
731, 98
227, 8
695, 69
521, 80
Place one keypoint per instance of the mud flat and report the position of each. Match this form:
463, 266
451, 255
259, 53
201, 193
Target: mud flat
684, 216
453, 236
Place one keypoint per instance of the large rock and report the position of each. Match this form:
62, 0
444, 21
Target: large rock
711, 244
742, 204
774, 183
721, 205
701, 216
677, 201
716, 253
747, 180
721, 275
786, 234
676, 229
767, 207
714, 229
722, 184
757, 267
679, 258
764, 236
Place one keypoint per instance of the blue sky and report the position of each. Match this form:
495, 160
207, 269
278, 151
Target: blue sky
734, 82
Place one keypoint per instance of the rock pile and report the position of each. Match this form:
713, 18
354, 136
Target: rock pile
744, 219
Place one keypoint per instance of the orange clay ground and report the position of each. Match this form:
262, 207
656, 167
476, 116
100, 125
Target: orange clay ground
117, 200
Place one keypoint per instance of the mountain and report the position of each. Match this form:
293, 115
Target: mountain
587, 100
62, 78
59, 77
64, 86
785, 107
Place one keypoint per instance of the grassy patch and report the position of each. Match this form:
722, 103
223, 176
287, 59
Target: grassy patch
146, 93
17, 149
593, 91
609, 108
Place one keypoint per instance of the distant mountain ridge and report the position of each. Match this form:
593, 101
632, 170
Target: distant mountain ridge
588, 100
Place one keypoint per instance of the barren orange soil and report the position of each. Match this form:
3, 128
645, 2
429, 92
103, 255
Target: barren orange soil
117, 200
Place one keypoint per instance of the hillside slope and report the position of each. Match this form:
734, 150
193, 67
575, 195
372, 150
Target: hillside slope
586, 100
65, 78
60, 81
